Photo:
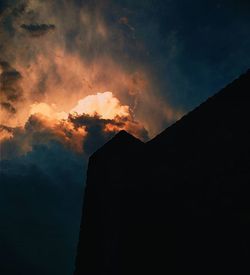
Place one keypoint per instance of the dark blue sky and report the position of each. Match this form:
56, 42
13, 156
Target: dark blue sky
188, 50
194, 47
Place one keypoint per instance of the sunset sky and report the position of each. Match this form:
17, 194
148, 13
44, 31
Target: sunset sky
73, 74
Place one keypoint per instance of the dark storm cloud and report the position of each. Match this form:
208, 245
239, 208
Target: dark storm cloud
5, 65
8, 107
37, 131
13, 8
9, 82
79, 133
6, 128
9, 78
36, 30
10, 89
96, 128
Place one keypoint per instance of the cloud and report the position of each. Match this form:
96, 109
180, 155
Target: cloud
95, 128
36, 30
100, 130
104, 104
11, 92
9, 82
96, 48
8, 107
93, 120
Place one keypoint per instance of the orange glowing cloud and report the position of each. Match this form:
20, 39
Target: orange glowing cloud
46, 123
47, 110
104, 104
92, 78
58, 75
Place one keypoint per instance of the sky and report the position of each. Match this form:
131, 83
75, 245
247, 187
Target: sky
73, 74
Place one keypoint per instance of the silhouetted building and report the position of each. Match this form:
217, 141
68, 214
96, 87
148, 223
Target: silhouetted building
179, 204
